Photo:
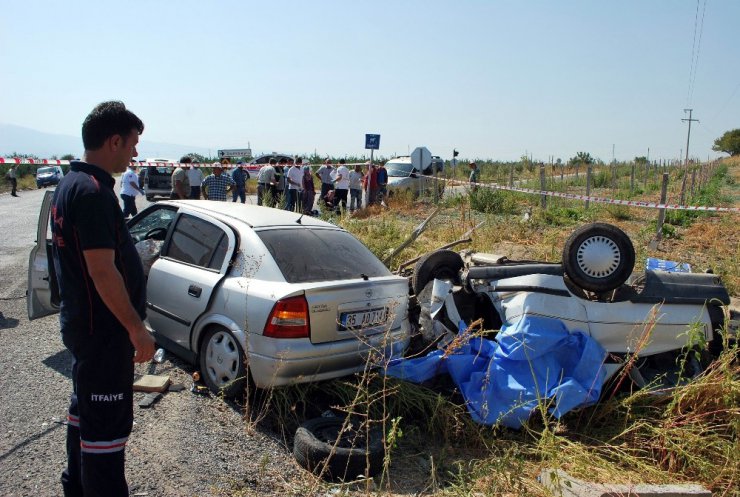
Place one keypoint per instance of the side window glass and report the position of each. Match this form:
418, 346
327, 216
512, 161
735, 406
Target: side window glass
219, 253
198, 242
153, 225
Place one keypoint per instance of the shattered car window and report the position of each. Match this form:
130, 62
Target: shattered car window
310, 255
160, 218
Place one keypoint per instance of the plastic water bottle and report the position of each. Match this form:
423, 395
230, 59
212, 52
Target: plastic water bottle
158, 356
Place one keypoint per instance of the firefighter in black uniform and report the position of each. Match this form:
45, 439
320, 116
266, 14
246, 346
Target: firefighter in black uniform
103, 294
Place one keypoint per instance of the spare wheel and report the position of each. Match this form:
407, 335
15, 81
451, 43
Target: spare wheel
598, 257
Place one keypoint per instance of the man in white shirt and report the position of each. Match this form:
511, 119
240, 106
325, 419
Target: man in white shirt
295, 179
266, 184
341, 185
129, 190
195, 177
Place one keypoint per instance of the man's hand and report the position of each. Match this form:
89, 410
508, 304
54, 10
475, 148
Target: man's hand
143, 342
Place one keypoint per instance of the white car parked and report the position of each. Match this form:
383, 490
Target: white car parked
253, 292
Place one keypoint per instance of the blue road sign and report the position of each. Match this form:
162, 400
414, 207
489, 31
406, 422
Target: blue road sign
372, 142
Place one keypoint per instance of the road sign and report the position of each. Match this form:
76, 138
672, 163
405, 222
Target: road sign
372, 142
421, 158
235, 152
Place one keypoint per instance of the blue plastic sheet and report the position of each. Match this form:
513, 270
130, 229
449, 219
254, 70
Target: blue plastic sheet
533, 360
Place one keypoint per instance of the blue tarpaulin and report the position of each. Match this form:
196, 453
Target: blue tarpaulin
502, 381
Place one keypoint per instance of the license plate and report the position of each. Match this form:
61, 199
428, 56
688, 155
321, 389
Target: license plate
363, 319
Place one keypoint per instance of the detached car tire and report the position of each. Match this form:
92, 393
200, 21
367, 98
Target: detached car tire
222, 363
324, 449
441, 264
598, 257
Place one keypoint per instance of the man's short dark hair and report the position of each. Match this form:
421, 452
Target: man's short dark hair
273, 161
299, 160
283, 160
108, 119
186, 159
342, 161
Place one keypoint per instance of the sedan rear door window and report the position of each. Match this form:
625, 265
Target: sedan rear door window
198, 242
310, 255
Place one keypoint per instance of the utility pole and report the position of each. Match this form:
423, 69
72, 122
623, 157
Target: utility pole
688, 136
686, 161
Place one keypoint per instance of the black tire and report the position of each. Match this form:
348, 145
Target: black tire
322, 448
221, 361
441, 264
598, 257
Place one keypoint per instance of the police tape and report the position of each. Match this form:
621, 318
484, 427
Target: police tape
59, 162
529, 191
600, 200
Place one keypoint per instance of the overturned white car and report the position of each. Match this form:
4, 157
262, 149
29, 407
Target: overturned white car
655, 315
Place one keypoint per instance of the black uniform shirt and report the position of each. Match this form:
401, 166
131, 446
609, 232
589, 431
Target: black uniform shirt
85, 215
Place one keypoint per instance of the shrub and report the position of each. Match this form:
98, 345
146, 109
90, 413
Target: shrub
492, 201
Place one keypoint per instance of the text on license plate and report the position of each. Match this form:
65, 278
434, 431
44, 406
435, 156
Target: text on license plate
363, 319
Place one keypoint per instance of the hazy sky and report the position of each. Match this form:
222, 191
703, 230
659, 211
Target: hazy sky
494, 79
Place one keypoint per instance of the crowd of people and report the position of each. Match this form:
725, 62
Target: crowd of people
285, 184
289, 184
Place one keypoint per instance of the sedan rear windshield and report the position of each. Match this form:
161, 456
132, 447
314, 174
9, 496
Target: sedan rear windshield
310, 255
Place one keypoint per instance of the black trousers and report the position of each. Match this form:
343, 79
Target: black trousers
100, 412
129, 205
340, 196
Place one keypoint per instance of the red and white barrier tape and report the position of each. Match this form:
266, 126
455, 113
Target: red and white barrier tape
601, 200
572, 196
57, 162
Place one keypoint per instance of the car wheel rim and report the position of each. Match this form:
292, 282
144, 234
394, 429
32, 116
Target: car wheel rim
222, 358
598, 256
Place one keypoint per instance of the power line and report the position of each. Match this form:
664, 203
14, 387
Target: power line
724, 105
695, 50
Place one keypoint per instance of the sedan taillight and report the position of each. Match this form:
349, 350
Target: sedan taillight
289, 319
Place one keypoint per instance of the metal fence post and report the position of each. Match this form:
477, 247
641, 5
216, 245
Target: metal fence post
543, 186
661, 211
588, 182
632, 179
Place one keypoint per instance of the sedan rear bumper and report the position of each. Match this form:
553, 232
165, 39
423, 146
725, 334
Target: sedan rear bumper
278, 362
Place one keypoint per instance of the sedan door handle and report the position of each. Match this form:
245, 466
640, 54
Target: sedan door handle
194, 291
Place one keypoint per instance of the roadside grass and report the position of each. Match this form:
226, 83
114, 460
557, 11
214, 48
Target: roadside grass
517, 226
687, 434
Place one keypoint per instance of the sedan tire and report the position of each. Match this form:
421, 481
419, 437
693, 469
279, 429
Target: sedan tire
335, 449
222, 363
440, 264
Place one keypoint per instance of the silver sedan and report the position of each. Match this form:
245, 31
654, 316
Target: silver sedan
256, 294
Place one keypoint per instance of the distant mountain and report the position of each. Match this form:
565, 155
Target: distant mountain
20, 140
